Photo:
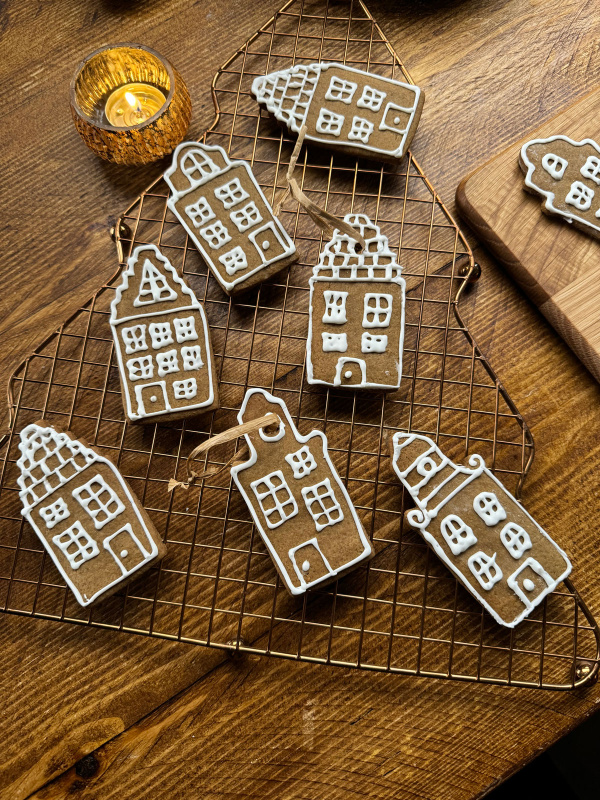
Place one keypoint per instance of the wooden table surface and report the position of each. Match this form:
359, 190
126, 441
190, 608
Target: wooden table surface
165, 720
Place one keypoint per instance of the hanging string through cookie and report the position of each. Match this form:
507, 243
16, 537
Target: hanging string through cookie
221, 438
326, 221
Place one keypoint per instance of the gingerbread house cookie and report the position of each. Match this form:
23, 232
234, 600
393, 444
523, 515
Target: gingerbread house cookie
344, 108
567, 175
162, 342
356, 314
227, 216
478, 529
297, 500
86, 516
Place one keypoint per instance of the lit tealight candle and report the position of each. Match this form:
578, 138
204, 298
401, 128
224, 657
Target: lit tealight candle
132, 104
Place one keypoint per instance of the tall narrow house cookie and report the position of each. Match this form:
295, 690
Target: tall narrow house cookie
356, 314
478, 529
91, 524
344, 108
227, 216
567, 175
162, 342
297, 500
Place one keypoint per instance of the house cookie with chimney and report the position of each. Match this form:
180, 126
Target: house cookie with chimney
493, 546
299, 505
344, 108
162, 341
356, 313
94, 528
567, 174
227, 216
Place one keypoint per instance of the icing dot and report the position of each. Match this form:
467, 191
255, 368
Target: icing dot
305, 566
153, 398
348, 373
124, 553
396, 120
266, 244
528, 585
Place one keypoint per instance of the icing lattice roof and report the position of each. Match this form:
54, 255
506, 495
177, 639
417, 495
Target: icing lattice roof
287, 93
339, 258
49, 458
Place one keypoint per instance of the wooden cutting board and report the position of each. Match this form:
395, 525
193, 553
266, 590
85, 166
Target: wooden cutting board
555, 264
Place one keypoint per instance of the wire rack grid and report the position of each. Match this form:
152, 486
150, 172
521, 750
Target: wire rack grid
403, 612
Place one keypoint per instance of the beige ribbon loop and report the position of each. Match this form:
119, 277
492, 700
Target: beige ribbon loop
326, 221
221, 438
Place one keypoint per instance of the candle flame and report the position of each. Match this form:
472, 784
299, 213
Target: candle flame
131, 99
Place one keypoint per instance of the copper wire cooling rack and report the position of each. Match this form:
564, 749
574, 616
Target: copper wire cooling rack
403, 612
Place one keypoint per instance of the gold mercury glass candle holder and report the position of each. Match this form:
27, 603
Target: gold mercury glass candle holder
129, 104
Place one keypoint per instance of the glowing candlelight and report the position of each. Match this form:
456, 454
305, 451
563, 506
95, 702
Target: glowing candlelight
132, 104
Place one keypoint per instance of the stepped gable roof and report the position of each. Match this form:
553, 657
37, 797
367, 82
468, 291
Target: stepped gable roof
339, 258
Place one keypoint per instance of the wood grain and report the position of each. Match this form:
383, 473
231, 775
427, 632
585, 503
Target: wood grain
491, 71
555, 264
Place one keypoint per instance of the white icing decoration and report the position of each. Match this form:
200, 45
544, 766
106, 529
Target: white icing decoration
272, 437
76, 545
305, 566
200, 212
289, 94
439, 501
55, 513
515, 539
191, 357
246, 217
60, 458
372, 343
142, 411
224, 192
335, 307
329, 122
528, 584
591, 170
458, 535
161, 335
293, 576
302, 462
554, 165
513, 582
580, 196
185, 329
348, 374
275, 499
360, 363
231, 193
185, 390
167, 362
485, 569
334, 342
377, 310
124, 553
322, 505
134, 339
153, 287
99, 500
266, 244
487, 507
140, 368
361, 129
216, 235
341, 90
197, 166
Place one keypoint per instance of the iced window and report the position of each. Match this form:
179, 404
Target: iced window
580, 196
160, 333
485, 569
335, 307
322, 505
185, 329
185, 390
140, 368
200, 212
458, 535
231, 193
153, 287
302, 462
341, 90
167, 362
515, 539
275, 499
99, 500
234, 260
192, 357
487, 506
134, 339
216, 235
76, 545
196, 166
246, 217
335, 342
555, 165
361, 129
377, 310
373, 343
55, 513
591, 169
371, 98
329, 122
